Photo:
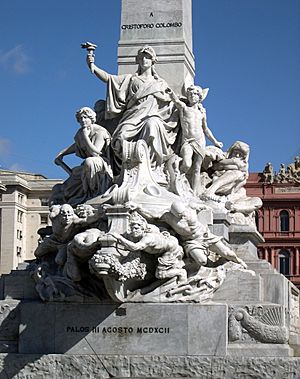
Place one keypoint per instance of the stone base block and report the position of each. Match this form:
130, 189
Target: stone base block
259, 350
261, 266
57, 366
130, 329
240, 286
19, 285
294, 341
9, 326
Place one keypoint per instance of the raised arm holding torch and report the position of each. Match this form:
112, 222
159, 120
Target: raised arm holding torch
90, 47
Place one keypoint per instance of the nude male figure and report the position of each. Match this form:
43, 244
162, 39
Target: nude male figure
195, 238
231, 173
65, 225
194, 129
147, 238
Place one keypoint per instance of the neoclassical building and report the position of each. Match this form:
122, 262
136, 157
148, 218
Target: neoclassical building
279, 218
23, 210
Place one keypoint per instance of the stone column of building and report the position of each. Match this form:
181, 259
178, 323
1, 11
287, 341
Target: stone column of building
297, 252
297, 221
266, 253
273, 258
167, 27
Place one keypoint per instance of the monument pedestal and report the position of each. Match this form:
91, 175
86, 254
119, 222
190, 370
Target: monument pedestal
131, 341
181, 302
130, 329
166, 26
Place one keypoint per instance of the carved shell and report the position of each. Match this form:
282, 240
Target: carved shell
272, 316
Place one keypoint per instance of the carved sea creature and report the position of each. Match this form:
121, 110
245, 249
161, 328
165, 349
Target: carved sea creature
267, 329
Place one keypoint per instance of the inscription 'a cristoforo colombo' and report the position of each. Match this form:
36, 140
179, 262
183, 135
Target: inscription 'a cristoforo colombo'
118, 330
157, 25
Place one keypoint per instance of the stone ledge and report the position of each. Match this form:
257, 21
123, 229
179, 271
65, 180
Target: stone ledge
240, 234
56, 366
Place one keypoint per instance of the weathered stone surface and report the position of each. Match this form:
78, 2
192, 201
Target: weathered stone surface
131, 329
216, 368
9, 326
9, 320
259, 350
206, 333
37, 336
220, 225
240, 234
17, 366
276, 288
59, 366
240, 286
245, 250
165, 25
168, 366
19, 285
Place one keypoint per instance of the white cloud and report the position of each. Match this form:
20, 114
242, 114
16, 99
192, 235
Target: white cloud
16, 167
15, 59
6, 157
4, 147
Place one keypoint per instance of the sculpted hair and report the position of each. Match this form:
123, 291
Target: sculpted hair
202, 92
197, 88
54, 211
87, 112
136, 219
149, 50
242, 147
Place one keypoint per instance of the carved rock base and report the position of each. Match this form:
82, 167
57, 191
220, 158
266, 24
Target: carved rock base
59, 366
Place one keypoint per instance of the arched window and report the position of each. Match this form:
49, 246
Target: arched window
284, 221
284, 262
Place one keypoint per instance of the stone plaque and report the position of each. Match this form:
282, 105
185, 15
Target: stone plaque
130, 329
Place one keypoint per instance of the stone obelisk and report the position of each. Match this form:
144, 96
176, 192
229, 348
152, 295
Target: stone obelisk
166, 25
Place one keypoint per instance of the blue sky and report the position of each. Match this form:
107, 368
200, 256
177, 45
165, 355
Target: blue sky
247, 52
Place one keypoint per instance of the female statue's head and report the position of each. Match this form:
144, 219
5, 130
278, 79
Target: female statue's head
87, 112
146, 50
145, 58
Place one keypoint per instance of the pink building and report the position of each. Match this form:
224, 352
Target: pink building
279, 220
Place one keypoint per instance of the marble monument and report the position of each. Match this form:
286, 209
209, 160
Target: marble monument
151, 259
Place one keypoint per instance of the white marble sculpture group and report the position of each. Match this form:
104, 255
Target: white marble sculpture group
131, 223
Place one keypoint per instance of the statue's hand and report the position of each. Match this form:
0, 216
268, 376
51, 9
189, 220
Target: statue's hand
86, 131
84, 210
115, 236
90, 59
219, 144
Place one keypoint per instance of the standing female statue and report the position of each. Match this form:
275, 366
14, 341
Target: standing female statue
145, 108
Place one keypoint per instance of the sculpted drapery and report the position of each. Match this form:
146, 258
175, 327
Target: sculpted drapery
146, 113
